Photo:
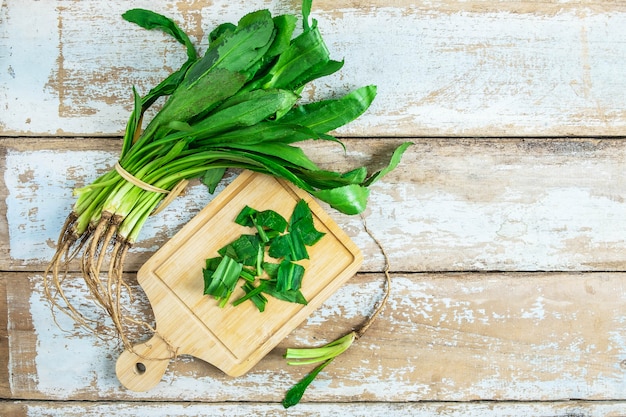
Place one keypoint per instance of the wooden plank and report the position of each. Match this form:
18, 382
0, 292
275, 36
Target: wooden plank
442, 337
4, 343
158, 409
473, 68
457, 204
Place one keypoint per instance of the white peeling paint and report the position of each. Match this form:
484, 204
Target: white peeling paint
537, 312
462, 234
67, 360
40, 186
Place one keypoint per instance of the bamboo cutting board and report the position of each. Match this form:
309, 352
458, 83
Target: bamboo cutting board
233, 339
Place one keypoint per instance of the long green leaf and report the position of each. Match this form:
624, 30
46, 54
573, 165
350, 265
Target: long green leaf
306, 12
265, 131
294, 155
319, 70
393, 163
150, 20
331, 179
284, 26
249, 110
133, 124
294, 395
327, 115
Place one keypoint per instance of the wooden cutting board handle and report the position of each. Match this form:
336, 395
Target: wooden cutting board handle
136, 369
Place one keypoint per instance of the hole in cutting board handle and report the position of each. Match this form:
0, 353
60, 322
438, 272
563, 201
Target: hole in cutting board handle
136, 371
140, 368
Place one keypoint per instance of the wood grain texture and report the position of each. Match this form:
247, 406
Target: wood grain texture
443, 337
434, 409
451, 205
472, 68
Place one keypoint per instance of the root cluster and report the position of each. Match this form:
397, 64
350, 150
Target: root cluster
102, 255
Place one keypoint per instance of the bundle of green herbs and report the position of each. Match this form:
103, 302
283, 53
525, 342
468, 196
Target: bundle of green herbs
237, 106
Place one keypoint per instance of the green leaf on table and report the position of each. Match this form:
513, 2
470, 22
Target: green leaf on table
271, 268
253, 294
280, 247
294, 395
393, 162
150, 20
269, 219
290, 296
244, 218
289, 246
211, 264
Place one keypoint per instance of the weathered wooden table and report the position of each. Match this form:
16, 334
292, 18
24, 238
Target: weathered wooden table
505, 224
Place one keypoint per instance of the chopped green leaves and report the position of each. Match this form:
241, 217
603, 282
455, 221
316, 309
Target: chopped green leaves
244, 257
289, 276
301, 224
221, 282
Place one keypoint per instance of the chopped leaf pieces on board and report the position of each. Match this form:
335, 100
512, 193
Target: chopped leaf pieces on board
284, 240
